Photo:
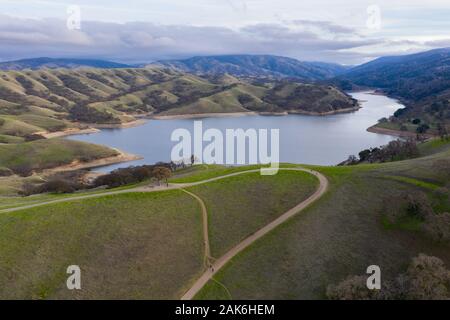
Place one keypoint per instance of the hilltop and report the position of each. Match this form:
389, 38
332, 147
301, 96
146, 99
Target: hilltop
53, 63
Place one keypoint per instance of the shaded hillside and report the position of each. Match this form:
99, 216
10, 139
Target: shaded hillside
51, 100
421, 81
256, 66
52, 63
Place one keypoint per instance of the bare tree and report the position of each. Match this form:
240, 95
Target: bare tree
162, 173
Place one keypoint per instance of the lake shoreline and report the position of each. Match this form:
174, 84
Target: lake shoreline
157, 128
250, 113
397, 133
121, 157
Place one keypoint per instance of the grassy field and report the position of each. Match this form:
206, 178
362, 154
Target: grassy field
41, 154
240, 205
150, 245
133, 245
339, 235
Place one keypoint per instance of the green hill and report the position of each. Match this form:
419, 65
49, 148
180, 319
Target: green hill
150, 245
47, 100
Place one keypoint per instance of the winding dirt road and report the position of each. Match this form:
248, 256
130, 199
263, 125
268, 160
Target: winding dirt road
219, 263
213, 267
205, 226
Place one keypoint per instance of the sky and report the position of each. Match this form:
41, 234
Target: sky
139, 31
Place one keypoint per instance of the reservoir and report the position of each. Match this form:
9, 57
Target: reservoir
322, 140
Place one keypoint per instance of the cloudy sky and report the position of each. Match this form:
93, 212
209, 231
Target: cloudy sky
342, 31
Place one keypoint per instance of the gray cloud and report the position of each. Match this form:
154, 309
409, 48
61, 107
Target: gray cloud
145, 42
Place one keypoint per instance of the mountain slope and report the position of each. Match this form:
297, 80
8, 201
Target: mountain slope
421, 81
37, 63
256, 66
411, 77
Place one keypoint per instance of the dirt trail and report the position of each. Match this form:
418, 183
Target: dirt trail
205, 227
137, 189
213, 267
219, 263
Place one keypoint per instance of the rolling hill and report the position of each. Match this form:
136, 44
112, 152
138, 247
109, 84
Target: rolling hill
45, 100
256, 66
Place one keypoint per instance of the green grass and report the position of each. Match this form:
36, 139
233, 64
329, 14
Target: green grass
404, 223
10, 139
433, 146
14, 201
416, 182
339, 235
42, 154
240, 205
134, 246
204, 172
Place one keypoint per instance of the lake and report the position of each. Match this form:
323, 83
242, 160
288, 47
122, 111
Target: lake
323, 140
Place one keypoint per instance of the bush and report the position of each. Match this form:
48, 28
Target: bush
425, 279
437, 227
4, 172
51, 186
33, 137
124, 176
394, 151
352, 288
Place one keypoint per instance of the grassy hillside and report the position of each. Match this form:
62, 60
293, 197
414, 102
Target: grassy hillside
47, 100
240, 205
135, 246
25, 157
341, 234
150, 245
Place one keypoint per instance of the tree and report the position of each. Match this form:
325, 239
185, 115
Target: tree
422, 128
162, 173
364, 155
426, 278
442, 131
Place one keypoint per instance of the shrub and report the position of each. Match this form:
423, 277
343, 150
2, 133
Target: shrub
352, 288
426, 278
124, 176
33, 137
437, 227
51, 186
4, 172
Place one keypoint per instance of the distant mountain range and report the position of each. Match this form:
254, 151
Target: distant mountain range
256, 66
421, 81
413, 76
52, 63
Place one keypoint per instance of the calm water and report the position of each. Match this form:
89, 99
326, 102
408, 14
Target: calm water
325, 140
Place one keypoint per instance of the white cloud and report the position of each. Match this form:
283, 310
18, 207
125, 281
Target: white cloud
305, 39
